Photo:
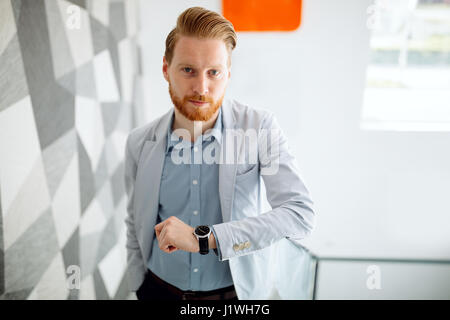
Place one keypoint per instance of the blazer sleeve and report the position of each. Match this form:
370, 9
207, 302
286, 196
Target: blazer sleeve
135, 262
292, 214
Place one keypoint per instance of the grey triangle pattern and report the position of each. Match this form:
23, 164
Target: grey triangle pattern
110, 114
100, 289
37, 61
79, 82
126, 117
114, 52
100, 35
61, 105
71, 250
80, 3
29, 257
63, 61
69, 82
32, 30
7, 24
17, 295
89, 244
87, 184
85, 86
122, 292
16, 5
57, 158
39, 71
117, 184
71, 256
101, 174
104, 198
107, 241
2, 272
139, 60
119, 26
136, 57
13, 85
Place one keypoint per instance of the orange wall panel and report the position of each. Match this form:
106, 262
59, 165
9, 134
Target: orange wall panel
263, 15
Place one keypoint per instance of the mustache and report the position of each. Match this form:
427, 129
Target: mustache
200, 98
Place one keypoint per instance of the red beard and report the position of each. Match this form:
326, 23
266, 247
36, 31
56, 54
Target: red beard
195, 113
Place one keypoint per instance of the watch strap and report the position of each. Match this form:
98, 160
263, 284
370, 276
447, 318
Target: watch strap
204, 245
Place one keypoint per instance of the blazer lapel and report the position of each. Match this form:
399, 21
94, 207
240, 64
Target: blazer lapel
148, 180
227, 171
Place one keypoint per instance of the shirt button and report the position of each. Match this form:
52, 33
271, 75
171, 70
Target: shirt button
195, 270
194, 181
195, 212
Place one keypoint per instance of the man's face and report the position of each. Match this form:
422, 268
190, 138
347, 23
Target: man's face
198, 72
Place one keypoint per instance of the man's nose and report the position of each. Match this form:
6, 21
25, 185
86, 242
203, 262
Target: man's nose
201, 85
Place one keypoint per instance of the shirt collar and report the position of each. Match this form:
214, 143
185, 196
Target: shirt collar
215, 132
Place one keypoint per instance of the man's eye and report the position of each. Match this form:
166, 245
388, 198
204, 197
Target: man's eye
187, 69
215, 72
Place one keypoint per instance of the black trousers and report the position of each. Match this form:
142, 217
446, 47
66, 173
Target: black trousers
152, 290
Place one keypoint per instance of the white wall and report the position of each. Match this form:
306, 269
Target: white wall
382, 280
377, 194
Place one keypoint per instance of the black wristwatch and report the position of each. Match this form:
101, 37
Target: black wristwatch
202, 233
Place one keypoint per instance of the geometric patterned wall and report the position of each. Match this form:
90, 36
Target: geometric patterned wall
67, 102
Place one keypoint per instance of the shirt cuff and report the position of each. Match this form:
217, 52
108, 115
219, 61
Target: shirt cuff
217, 250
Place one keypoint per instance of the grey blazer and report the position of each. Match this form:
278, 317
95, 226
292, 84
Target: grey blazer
265, 260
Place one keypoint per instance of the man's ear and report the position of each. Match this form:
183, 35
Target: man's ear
164, 69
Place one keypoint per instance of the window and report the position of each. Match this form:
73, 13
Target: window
408, 76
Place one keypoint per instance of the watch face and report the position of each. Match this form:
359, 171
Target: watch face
202, 230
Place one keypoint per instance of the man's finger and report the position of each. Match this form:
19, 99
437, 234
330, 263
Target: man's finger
162, 234
164, 245
159, 227
158, 233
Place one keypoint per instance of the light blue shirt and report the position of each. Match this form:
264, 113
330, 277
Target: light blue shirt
191, 193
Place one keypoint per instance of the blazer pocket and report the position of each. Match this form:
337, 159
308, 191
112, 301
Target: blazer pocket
246, 173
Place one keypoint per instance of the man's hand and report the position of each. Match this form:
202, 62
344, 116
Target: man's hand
173, 234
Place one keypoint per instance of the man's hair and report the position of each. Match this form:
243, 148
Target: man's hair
203, 24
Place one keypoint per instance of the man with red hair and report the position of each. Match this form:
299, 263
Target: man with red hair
190, 190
